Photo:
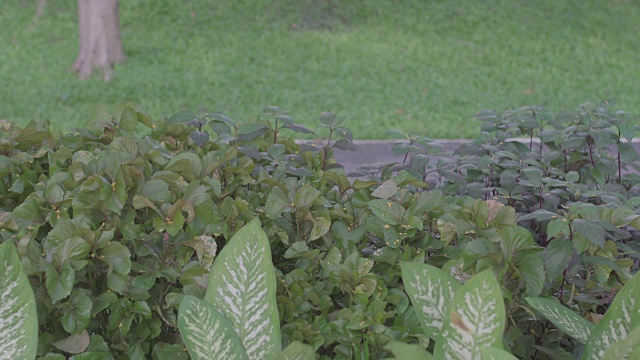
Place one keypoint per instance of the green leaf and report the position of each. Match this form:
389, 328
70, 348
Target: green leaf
207, 333
557, 227
476, 319
242, 286
321, 224
59, 282
277, 202
531, 266
627, 152
539, 215
622, 316
555, 353
424, 201
75, 248
28, 214
297, 351
386, 190
491, 353
251, 131
53, 356
565, 319
128, 119
126, 145
164, 351
97, 350
174, 225
390, 212
206, 248
117, 256
117, 197
31, 135
360, 184
187, 164
74, 344
182, 116
514, 239
345, 145
200, 138
591, 230
430, 290
403, 351
305, 196
53, 193
276, 151
145, 119
76, 312
300, 172
557, 256
18, 317
329, 119
299, 128
534, 177
156, 190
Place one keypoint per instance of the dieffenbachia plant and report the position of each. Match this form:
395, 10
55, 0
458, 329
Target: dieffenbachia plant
238, 317
616, 336
18, 318
465, 321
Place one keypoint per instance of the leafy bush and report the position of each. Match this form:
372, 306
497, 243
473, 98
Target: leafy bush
118, 234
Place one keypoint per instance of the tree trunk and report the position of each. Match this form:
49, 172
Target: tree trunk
41, 5
100, 44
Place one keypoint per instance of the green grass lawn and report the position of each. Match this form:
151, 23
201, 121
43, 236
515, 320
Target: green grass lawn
413, 65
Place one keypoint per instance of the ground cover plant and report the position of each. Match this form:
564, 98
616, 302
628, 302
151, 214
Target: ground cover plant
383, 64
207, 236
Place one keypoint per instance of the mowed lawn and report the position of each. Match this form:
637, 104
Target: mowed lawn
421, 66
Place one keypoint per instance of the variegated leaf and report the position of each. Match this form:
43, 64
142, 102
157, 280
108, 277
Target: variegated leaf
430, 290
207, 333
476, 319
565, 319
622, 316
491, 353
18, 318
242, 286
297, 351
628, 348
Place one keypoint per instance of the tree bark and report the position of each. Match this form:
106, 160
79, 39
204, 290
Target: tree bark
41, 5
99, 33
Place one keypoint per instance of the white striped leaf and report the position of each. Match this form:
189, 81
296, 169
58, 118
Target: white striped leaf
207, 333
18, 318
622, 316
563, 318
430, 290
476, 319
628, 348
297, 351
242, 286
491, 353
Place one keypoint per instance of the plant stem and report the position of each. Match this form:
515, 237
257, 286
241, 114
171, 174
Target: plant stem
619, 169
326, 149
275, 133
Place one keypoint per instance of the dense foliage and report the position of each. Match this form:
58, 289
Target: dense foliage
114, 230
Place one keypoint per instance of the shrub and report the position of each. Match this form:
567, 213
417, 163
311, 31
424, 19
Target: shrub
116, 230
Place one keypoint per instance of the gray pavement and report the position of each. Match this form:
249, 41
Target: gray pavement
372, 152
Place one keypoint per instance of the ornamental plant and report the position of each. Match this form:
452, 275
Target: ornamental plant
123, 229
238, 317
